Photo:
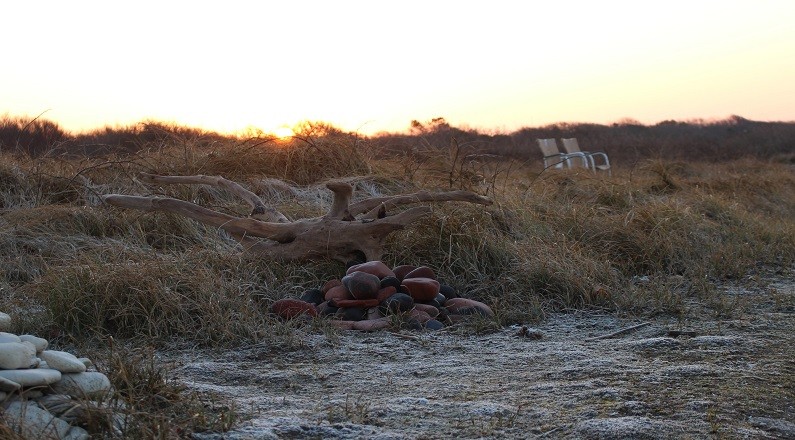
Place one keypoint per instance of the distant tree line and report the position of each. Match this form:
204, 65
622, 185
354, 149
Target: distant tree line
626, 141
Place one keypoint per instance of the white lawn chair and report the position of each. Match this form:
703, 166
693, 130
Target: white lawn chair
573, 147
553, 156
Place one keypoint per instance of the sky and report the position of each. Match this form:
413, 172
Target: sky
372, 66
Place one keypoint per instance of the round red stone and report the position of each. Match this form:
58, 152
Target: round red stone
422, 289
362, 285
338, 292
421, 272
377, 268
402, 271
465, 306
291, 308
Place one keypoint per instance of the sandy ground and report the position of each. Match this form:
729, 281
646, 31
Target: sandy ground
734, 378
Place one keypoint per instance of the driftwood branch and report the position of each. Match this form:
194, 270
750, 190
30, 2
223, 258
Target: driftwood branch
339, 234
259, 210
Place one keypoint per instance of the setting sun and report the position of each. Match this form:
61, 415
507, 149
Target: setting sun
283, 132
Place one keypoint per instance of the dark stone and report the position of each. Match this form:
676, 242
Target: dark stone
390, 281
397, 303
351, 313
434, 325
313, 296
448, 291
326, 309
362, 285
421, 272
402, 271
412, 324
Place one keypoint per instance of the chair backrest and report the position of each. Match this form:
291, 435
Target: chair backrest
548, 147
570, 145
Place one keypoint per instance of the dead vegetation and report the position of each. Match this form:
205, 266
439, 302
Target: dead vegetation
641, 242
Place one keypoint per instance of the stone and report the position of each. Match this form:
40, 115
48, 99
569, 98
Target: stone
27, 418
5, 322
433, 324
361, 303
419, 315
342, 325
374, 313
9, 337
63, 361
34, 377
440, 298
371, 325
351, 313
397, 303
39, 343
362, 285
448, 291
377, 268
288, 308
385, 293
87, 362
325, 309
338, 292
3, 396
7, 385
466, 306
390, 281
402, 271
421, 272
76, 433
329, 285
427, 308
15, 355
313, 296
90, 384
422, 289
412, 324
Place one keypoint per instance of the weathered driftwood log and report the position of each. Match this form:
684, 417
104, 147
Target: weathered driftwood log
349, 231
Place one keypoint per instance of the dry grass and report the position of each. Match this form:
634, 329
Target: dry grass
72, 270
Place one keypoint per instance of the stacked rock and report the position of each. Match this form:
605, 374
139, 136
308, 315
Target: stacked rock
39, 387
371, 296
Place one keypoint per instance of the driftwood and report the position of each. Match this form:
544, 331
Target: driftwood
349, 231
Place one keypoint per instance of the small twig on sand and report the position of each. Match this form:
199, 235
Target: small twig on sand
623, 331
405, 336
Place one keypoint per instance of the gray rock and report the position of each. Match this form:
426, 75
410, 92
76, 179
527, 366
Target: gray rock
83, 385
5, 322
8, 337
87, 362
32, 377
7, 385
15, 355
33, 422
39, 343
63, 361
76, 433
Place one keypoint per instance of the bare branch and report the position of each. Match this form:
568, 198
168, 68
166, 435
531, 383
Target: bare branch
259, 210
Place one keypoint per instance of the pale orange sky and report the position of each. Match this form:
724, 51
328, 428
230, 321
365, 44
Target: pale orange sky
376, 65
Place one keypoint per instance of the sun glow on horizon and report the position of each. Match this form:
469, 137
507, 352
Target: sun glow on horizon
283, 132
